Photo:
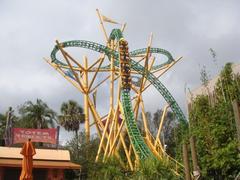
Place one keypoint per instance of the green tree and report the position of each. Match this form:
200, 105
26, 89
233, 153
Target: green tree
228, 85
36, 115
112, 169
154, 169
204, 76
84, 154
3, 120
71, 116
213, 126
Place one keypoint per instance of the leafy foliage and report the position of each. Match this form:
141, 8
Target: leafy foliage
213, 126
36, 115
154, 169
228, 85
204, 76
83, 152
111, 169
72, 116
3, 120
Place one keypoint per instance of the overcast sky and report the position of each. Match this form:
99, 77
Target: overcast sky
185, 28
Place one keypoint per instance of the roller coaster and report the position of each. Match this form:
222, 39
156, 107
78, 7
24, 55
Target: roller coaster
121, 120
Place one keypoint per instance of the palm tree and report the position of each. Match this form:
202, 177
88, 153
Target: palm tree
72, 116
37, 115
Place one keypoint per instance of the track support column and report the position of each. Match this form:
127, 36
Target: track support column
86, 107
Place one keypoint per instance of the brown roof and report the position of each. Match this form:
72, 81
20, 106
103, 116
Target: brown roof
40, 164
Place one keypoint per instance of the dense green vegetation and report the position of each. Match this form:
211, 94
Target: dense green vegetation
212, 123
112, 169
3, 120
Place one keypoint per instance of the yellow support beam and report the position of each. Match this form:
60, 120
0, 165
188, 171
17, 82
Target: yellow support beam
103, 136
160, 126
86, 97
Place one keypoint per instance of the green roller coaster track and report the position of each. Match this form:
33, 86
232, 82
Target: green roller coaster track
135, 136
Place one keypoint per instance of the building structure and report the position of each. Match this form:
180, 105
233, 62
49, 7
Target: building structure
47, 163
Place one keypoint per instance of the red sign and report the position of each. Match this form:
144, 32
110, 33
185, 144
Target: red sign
21, 135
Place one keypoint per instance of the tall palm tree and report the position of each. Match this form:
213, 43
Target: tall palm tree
71, 116
36, 115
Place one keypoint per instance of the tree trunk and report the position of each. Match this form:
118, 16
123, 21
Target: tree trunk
39, 126
77, 141
237, 119
196, 170
186, 162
